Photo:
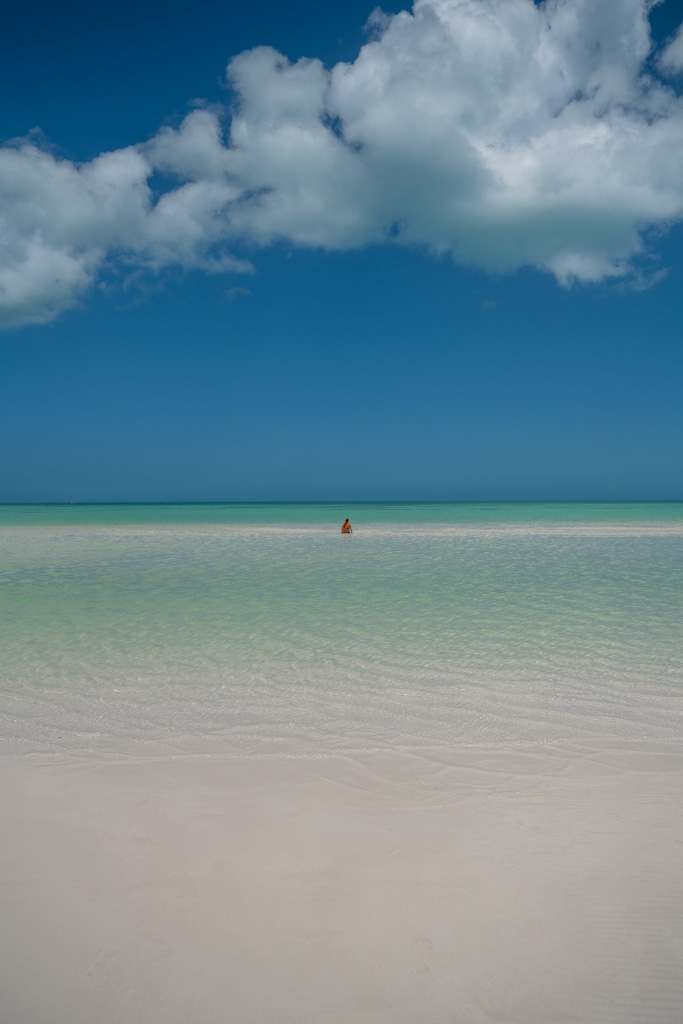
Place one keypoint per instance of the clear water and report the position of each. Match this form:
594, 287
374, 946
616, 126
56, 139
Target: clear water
258, 629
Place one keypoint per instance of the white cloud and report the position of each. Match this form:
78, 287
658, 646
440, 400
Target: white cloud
671, 59
504, 133
60, 223
236, 293
38, 281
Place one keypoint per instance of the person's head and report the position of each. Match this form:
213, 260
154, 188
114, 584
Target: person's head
345, 521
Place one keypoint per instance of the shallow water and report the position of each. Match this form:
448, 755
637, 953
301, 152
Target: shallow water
258, 629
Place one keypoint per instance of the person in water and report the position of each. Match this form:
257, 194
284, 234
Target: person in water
346, 527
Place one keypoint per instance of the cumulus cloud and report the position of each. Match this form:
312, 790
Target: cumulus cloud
61, 223
501, 132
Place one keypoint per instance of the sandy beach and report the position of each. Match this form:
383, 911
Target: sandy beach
531, 885
266, 776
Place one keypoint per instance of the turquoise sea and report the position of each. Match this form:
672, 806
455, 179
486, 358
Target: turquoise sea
250, 629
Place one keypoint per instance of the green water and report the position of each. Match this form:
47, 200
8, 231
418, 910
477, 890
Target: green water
324, 513
250, 629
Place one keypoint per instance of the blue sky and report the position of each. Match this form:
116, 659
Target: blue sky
446, 265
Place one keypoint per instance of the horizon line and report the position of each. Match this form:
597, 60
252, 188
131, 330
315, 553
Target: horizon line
356, 501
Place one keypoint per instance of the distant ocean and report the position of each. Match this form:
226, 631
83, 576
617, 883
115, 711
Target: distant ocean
253, 629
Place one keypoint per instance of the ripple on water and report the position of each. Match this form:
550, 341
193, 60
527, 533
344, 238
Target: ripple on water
291, 638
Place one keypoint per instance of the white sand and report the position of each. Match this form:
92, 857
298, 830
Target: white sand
535, 886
